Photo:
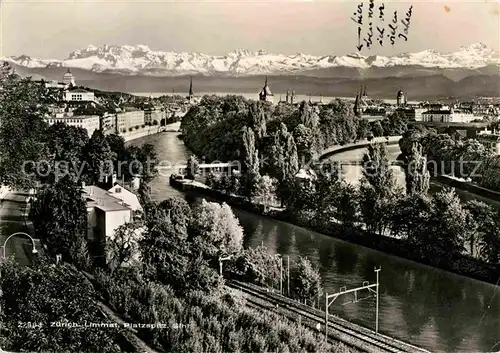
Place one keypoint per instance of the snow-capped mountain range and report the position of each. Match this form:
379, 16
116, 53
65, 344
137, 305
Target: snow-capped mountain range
140, 59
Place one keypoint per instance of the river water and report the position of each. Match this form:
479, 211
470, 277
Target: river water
428, 307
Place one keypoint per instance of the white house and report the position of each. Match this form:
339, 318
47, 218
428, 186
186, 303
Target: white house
129, 198
105, 213
79, 95
88, 122
447, 116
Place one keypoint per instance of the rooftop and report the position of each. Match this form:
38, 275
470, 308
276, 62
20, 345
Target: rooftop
102, 199
79, 90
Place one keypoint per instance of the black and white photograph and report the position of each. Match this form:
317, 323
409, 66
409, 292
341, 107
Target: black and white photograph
249, 176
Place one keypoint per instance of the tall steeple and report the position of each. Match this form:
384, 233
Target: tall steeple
191, 88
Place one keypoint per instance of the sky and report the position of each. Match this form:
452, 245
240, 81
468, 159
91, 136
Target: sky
53, 29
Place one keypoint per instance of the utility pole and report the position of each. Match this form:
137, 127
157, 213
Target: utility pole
376, 310
281, 275
288, 275
221, 259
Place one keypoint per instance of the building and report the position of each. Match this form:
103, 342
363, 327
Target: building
447, 116
129, 198
68, 78
88, 122
412, 113
153, 114
129, 120
79, 95
490, 140
401, 99
266, 94
105, 213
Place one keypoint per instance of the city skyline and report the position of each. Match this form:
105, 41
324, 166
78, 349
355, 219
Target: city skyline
217, 28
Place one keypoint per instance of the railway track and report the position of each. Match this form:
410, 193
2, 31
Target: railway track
338, 330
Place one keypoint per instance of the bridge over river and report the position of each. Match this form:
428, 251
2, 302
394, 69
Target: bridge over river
428, 307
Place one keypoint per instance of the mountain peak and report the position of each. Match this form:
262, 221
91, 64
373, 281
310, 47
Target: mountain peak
141, 59
479, 46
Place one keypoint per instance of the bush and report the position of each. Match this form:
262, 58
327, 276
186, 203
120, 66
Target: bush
137, 127
130, 129
143, 126
199, 322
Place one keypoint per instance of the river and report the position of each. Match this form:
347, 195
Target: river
425, 306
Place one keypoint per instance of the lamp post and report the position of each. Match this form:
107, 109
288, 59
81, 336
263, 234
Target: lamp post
221, 259
4, 246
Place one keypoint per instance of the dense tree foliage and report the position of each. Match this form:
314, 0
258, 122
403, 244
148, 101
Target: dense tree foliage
216, 230
305, 282
59, 217
22, 110
46, 294
417, 176
255, 265
99, 158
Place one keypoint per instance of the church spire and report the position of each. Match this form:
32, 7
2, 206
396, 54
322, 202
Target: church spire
356, 105
191, 88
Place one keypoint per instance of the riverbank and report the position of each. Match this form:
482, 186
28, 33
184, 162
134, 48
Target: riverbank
333, 150
455, 263
148, 130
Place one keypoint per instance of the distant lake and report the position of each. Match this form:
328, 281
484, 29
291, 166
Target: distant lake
255, 96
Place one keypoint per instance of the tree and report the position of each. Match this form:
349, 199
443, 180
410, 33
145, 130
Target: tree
47, 294
305, 281
65, 146
123, 246
482, 231
216, 229
377, 129
250, 167
116, 144
193, 167
22, 129
99, 158
449, 222
411, 219
179, 212
169, 258
378, 190
363, 129
266, 190
59, 217
255, 265
417, 176
347, 210
147, 160
285, 164
304, 140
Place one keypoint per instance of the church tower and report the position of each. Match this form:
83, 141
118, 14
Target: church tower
266, 94
400, 98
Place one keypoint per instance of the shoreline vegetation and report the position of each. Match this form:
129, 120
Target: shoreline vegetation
276, 144
459, 264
